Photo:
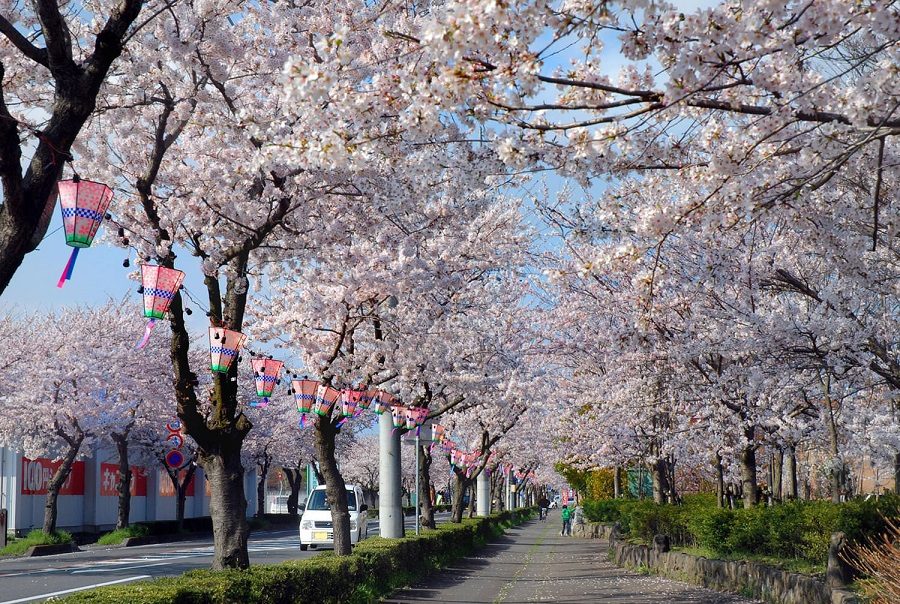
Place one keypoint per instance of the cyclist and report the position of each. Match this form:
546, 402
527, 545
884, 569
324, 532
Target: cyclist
543, 507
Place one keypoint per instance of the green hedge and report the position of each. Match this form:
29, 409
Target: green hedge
374, 568
797, 529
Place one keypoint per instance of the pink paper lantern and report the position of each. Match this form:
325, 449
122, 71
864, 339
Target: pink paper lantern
160, 285
266, 373
382, 402
398, 414
326, 397
83, 204
350, 401
224, 346
437, 432
305, 395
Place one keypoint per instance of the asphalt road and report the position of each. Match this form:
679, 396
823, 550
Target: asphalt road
39, 578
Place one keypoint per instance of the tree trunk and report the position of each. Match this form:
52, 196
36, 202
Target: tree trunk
897, 472
470, 510
617, 482
227, 508
791, 492
56, 482
335, 489
659, 479
720, 482
426, 510
295, 480
777, 475
748, 471
261, 485
124, 484
181, 487
459, 493
498, 502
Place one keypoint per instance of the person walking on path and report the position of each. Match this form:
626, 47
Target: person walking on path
567, 521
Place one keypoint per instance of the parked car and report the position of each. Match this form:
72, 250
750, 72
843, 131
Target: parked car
315, 524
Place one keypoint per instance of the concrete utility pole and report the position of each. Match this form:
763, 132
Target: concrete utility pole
390, 507
483, 494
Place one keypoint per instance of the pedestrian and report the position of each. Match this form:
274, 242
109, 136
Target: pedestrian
567, 521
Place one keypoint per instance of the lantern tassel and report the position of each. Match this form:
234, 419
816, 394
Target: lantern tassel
303, 420
67, 272
340, 423
147, 331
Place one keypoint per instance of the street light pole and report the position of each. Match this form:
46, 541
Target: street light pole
418, 494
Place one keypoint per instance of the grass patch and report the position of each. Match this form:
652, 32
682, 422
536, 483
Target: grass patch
35, 537
118, 536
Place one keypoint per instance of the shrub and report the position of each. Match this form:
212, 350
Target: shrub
35, 537
119, 535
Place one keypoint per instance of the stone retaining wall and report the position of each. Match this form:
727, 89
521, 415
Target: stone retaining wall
736, 576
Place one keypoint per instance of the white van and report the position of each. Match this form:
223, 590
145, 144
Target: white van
315, 523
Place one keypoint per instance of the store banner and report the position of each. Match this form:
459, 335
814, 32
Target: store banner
109, 480
167, 489
36, 474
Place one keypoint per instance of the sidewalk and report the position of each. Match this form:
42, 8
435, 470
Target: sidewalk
532, 563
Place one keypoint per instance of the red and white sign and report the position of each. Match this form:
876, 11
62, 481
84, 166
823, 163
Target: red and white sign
36, 474
167, 489
109, 480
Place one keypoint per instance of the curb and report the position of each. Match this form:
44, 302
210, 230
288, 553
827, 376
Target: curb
50, 550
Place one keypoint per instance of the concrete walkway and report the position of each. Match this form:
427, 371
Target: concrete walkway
532, 563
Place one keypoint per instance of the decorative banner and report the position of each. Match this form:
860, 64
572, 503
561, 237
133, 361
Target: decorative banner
224, 345
305, 394
36, 474
382, 402
83, 204
266, 373
109, 480
326, 397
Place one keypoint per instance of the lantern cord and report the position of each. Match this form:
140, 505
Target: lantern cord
147, 331
67, 272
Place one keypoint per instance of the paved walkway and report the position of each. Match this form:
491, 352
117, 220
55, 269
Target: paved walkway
532, 563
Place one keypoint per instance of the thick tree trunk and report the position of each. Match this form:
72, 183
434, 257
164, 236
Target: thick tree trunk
228, 509
659, 478
748, 473
498, 501
459, 493
124, 484
335, 489
426, 511
295, 481
470, 509
56, 482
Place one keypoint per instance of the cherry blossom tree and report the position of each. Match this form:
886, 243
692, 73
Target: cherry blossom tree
82, 383
54, 64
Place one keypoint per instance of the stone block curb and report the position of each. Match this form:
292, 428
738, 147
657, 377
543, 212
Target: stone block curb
50, 550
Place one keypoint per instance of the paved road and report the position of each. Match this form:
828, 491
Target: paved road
36, 579
532, 563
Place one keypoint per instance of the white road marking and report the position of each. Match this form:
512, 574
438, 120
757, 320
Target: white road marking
69, 591
117, 568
